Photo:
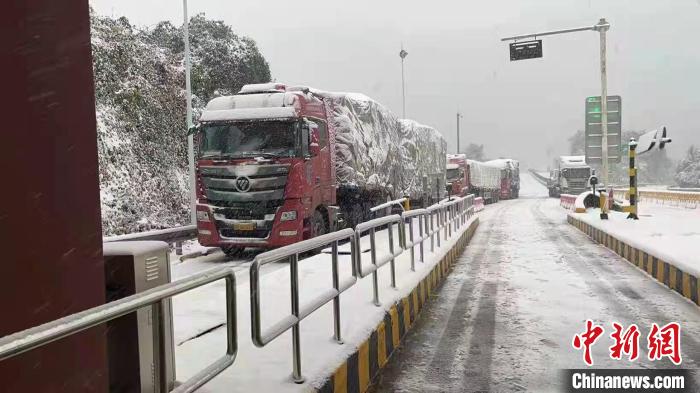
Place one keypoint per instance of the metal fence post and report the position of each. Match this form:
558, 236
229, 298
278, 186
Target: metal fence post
375, 278
439, 225
390, 228
296, 344
445, 220
336, 300
450, 217
429, 219
422, 240
410, 237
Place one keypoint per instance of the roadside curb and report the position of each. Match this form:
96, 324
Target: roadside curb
362, 366
674, 278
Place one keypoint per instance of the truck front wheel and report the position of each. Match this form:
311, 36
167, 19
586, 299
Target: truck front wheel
318, 224
233, 252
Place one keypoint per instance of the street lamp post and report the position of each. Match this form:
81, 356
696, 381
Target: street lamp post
190, 137
403, 55
459, 115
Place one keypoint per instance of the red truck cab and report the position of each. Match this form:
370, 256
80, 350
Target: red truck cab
264, 169
457, 174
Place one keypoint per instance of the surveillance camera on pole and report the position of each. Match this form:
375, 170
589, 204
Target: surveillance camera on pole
593, 181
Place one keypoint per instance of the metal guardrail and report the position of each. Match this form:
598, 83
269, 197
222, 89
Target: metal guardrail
410, 243
687, 199
377, 262
455, 212
41, 335
291, 252
540, 178
432, 221
386, 205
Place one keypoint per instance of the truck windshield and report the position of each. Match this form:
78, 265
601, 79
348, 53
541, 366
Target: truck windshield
571, 173
249, 139
453, 174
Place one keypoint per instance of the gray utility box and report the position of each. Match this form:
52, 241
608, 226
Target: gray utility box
133, 349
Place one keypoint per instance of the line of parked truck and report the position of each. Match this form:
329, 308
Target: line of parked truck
278, 164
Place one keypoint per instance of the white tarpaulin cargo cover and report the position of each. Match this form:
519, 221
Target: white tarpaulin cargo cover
377, 151
484, 176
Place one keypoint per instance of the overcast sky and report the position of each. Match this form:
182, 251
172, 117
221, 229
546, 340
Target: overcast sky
456, 62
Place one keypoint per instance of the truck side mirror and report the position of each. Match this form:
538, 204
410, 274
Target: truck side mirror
192, 130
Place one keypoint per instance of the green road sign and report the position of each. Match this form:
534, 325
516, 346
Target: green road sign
594, 132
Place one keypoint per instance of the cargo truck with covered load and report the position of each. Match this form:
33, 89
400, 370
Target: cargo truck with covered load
484, 181
510, 177
277, 164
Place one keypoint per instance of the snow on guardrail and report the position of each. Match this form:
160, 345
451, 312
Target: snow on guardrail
674, 198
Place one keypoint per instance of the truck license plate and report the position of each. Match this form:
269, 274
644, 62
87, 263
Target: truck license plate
244, 226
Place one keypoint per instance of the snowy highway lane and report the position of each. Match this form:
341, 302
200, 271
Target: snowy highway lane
505, 318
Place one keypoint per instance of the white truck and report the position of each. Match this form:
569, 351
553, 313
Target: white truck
570, 176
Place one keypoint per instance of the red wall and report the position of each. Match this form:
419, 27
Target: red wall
50, 235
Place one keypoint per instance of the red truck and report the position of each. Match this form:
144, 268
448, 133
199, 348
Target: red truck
276, 165
458, 174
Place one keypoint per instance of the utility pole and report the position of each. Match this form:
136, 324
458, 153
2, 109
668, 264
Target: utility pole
602, 27
403, 55
458, 145
190, 137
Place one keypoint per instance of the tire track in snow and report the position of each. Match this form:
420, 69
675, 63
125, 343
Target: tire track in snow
435, 349
599, 276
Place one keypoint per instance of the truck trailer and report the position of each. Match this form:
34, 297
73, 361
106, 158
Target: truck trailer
277, 164
510, 177
484, 181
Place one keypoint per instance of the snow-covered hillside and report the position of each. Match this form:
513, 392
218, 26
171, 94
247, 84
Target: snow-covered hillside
140, 103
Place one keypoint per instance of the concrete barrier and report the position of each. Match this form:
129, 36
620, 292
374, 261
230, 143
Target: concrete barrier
684, 283
478, 204
567, 201
361, 367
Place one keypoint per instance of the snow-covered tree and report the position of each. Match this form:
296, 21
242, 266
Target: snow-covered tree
654, 167
140, 102
688, 170
475, 152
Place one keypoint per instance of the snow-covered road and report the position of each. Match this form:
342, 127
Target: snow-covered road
505, 318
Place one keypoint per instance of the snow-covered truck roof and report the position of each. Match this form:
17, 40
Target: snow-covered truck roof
268, 105
571, 161
504, 163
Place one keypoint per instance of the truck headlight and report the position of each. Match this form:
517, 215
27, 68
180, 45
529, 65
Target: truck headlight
288, 216
202, 216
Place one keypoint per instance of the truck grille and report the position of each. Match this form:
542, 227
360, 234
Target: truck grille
231, 185
246, 210
256, 234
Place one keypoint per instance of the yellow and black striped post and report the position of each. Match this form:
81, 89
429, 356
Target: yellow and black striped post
633, 180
